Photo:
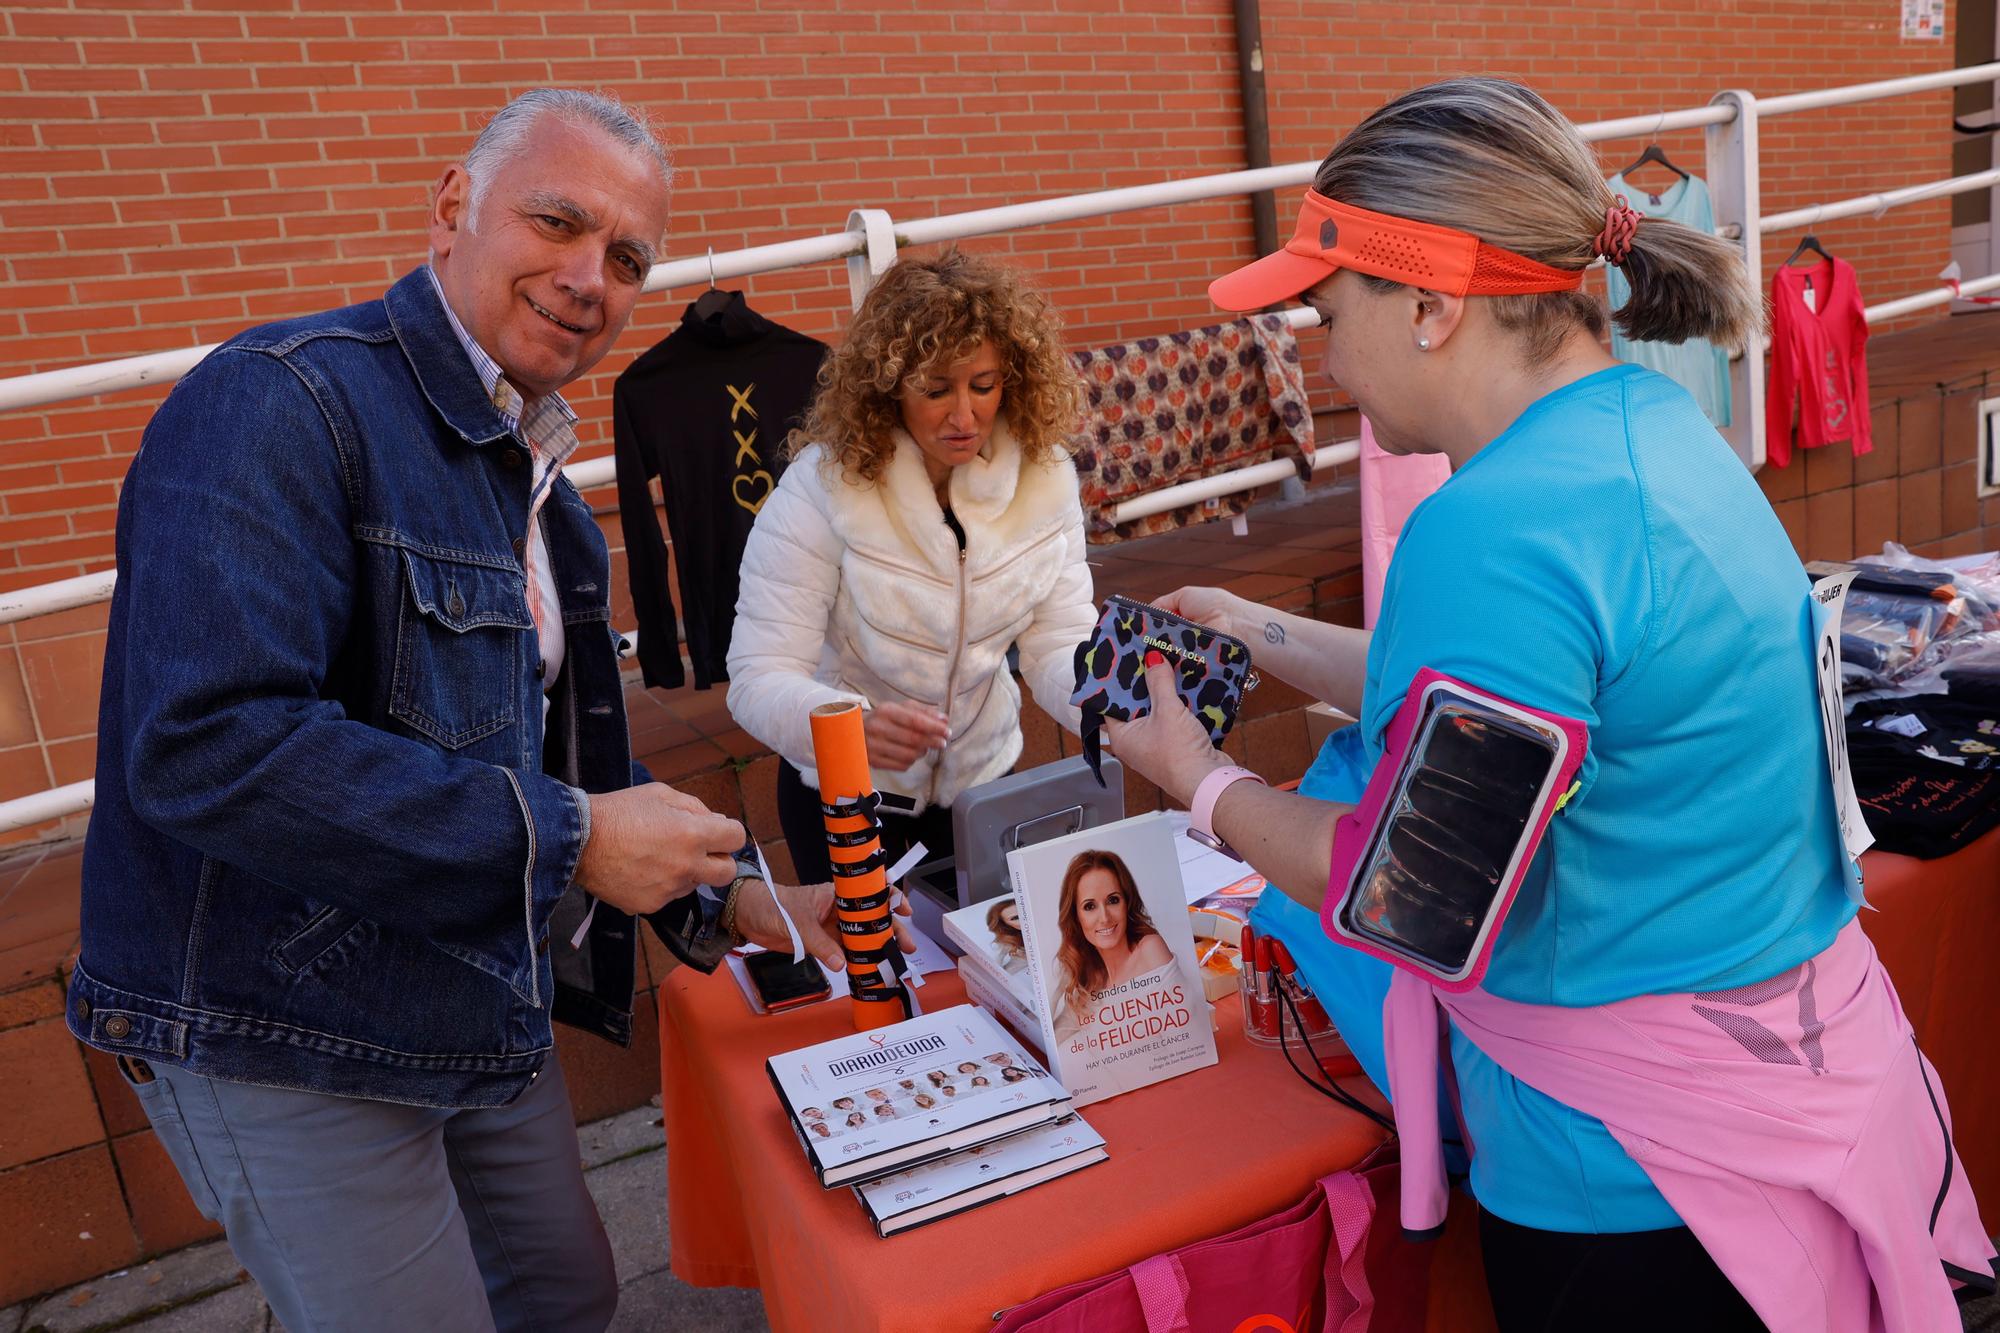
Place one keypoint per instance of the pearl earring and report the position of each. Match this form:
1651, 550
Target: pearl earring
1423, 344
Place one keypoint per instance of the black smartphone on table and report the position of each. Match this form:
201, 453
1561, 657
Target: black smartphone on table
782, 984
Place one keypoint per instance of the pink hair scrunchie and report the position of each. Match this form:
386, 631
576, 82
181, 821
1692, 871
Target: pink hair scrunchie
1621, 224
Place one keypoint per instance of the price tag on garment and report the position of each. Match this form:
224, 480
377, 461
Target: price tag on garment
1903, 724
1829, 599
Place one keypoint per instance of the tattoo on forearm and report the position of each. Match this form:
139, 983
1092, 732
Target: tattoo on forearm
1273, 632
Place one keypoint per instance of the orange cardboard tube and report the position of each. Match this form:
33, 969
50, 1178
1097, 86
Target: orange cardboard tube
840, 752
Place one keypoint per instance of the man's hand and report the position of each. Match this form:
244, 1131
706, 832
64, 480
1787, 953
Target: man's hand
650, 845
811, 907
899, 734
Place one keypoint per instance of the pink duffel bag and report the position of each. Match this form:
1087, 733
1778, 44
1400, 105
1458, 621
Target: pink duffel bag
1334, 1262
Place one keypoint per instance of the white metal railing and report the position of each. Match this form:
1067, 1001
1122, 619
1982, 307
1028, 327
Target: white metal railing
1849, 94
1875, 314
48, 598
43, 806
1878, 204
870, 241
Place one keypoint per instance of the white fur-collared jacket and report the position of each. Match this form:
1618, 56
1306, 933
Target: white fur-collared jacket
859, 592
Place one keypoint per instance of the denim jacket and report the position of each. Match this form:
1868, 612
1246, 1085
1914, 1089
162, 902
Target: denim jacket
333, 842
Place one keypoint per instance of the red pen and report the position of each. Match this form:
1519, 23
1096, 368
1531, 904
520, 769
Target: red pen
1265, 1011
1312, 1014
1246, 961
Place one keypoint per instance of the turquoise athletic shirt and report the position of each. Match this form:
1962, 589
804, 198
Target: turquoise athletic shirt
1608, 558
1539, 1162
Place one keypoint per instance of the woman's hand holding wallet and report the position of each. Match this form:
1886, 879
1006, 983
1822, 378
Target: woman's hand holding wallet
1136, 648
1167, 745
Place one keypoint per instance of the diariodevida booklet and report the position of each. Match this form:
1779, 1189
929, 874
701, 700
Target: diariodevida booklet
949, 1186
894, 1097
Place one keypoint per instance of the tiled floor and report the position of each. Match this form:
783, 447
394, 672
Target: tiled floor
38, 912
202, 1289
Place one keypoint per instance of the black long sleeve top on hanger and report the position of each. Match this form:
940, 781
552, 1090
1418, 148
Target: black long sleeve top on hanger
707, 411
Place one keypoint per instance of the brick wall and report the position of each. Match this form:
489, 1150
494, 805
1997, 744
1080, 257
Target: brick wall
169, 176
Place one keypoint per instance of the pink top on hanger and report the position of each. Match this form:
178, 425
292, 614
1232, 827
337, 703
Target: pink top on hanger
1819, 356
1793, 1125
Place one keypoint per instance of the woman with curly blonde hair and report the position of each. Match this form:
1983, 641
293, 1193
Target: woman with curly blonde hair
929, 522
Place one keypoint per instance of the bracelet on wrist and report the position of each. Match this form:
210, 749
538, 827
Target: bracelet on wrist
727, 921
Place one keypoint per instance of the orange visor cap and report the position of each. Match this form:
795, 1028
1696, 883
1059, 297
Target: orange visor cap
1332, 236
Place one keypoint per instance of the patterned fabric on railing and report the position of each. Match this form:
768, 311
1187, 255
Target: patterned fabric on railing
1174, 409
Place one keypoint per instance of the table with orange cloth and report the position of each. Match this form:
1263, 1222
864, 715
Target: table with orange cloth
1936, 928
1190, 1158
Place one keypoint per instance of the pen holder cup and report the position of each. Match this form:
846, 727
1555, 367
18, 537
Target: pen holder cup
1266, 1017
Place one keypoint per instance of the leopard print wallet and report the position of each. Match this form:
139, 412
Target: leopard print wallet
1211, 670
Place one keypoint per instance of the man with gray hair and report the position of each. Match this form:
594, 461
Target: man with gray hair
368, 822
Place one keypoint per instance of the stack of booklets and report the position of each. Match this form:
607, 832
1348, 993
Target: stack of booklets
993, 964
930, 1117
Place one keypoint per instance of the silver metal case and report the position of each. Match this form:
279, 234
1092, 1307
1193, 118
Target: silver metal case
994, 818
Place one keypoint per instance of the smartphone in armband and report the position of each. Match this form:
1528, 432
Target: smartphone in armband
1426, 867
782, 984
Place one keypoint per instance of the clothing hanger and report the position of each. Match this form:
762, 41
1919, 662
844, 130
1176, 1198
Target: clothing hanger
1808, 242
1654, 153
713, 301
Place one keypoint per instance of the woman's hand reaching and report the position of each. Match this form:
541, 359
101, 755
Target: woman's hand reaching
899, 734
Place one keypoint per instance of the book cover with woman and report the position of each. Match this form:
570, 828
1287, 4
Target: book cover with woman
992, 931
1110, 953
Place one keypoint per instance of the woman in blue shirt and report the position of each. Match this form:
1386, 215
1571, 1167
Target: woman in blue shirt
1598, 553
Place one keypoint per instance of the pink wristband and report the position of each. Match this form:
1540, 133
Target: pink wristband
1201, 810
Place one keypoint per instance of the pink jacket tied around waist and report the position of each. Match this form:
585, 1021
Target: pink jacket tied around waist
1793, 1124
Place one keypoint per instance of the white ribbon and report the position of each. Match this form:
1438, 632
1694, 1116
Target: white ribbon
909, 861
576, 940
792, 931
